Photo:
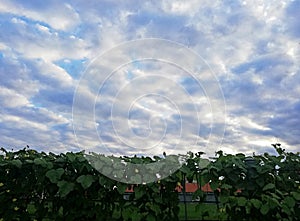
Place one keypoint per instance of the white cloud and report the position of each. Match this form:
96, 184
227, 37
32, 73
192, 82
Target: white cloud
250, 45
181, 7
58, 15
12, 99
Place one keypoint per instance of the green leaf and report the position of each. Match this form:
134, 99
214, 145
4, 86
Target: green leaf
121, 187
256, 203
241, 155
139, 193
203, 163
224, 199
106, 170
55, 174
289, 201
154, 207
269, 186
71, 156
129, 212
17, 163
260, 181
226, 186
273, 203
136, 179
29, 161
286, 209
40, 162
241, 201
214, 185
65, 187
296, 195
248, 207
119, 173
150, 217
158, 200
264, 209
234, 177
185, 169
85, 180
31, 209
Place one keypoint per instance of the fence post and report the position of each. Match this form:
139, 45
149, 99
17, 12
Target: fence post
184, 196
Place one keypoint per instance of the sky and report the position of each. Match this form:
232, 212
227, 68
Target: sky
147, 77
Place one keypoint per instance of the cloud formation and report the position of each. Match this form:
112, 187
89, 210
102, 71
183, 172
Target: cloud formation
131, 106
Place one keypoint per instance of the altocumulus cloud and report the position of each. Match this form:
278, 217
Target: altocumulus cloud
252, 48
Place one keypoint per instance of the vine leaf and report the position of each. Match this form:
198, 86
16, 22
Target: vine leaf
85, 180
54, 175
264, 209
65, 187
17, 163
296, 195
203, 163
269, 186
289, 201
256, 203
241, 201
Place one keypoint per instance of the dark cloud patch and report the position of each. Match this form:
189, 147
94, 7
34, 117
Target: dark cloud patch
264, 149
103, 110
62, 99
103, 8
293, 18
259, 132
32, 114
189, 35
265, 63
286, 123
35, 4
9, 72
192, 86
243, 92
19, 29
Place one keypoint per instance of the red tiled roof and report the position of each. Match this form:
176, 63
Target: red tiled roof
189, 188
192, 187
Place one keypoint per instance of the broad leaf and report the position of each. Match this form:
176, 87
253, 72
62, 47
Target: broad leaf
139, 193
55, 174
241, 201
214, 185
203, 163
296, 195
256, 203
85, 180
289, 201
269, 186
264, 209
136, 179
17, 163
65, 187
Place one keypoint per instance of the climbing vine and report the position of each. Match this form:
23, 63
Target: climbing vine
46, 186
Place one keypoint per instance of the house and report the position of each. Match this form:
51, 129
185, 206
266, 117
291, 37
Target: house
187, 195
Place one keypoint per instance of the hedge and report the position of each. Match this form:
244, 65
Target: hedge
46, 186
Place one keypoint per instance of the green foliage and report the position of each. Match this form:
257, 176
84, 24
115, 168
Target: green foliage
43, 186
250, 188
47, 186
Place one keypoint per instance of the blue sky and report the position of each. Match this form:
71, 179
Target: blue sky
241, 94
